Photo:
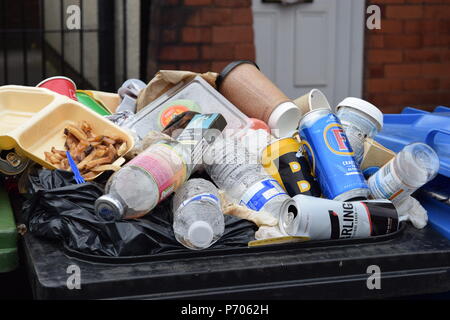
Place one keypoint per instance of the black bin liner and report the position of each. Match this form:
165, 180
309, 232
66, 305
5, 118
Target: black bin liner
61, 210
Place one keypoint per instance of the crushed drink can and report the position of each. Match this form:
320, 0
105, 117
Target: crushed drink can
61, 85
331, 156
322, 219
285, 162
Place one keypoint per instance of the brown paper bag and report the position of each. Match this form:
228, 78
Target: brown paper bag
375, 155
165, 80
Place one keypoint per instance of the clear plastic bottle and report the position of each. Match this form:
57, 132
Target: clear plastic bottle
414, 166
139, 186
198, 220
237, 171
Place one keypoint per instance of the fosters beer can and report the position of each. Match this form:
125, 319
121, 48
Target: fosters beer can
323, 219
284, 161
331, 156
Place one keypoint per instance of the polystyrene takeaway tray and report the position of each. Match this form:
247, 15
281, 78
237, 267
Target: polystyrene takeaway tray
32, 121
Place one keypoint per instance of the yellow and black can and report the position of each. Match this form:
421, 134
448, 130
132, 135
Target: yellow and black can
283, 159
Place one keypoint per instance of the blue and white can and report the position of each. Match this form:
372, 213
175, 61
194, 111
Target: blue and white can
331, 156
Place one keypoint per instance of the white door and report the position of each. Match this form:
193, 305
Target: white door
311, 45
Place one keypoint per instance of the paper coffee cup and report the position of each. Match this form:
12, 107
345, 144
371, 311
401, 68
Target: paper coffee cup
314, 99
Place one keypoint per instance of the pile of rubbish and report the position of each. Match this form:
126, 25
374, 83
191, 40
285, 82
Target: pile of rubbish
203, 161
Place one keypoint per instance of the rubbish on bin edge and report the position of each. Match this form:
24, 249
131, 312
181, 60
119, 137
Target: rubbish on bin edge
314, 99
375, 154
12, 163
324, 219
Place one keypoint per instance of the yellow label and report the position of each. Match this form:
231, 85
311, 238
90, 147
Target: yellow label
287, 239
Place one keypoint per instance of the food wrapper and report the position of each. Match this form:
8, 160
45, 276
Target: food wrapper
167, 79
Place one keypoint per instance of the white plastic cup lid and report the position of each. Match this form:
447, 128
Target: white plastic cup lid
284, 119
200, 234
365, 107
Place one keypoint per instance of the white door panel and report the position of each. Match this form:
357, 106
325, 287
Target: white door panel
311, 45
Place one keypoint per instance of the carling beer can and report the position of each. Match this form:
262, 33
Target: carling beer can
322, 219
331, 156
285, 162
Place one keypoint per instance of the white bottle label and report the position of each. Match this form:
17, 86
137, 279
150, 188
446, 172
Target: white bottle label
386, 184
200, 197
260, 193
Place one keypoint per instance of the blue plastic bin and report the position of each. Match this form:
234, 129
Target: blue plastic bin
432, 128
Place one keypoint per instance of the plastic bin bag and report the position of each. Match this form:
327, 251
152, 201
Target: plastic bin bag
61, 210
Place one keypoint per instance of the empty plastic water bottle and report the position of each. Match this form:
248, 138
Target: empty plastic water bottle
145, 181
414, 166
237, 171
198, 220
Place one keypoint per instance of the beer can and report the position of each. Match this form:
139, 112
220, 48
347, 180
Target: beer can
331, 156
61, 85
285, 162
322, 219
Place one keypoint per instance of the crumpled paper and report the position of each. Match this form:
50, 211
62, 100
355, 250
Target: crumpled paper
164, 80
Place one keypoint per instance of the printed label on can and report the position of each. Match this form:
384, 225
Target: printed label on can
386, 184
331, 157
327, 219
201, 197
260, 193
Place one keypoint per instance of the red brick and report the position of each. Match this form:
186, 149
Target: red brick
197, 2
195, 66
387, 1
437, 11
233, 3
402, 41
236, 34
446, 55
196, 35
444, 26
445, 84
422, 55
421, 84
380, 56
376, 71
167, 66
245, 51
389, 27
436, 69
436, 40
412, 26
217, 66
181, 53
242, 16
218, 52
169, 35
384, 85
217, 16
375, 41
402, 70
404, 11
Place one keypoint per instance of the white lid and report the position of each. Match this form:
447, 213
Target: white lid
200, 234
285, 118
365, 107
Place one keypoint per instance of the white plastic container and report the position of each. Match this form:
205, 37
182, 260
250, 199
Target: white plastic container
360, 120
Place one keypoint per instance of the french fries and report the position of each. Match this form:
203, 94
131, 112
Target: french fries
92, 153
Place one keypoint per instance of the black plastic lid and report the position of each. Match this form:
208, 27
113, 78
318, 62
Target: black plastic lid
230, 67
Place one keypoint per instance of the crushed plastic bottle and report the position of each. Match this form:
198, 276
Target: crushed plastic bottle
237, 171
198, 220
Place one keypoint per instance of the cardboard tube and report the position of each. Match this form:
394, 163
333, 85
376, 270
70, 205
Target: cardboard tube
314, 99
250, 90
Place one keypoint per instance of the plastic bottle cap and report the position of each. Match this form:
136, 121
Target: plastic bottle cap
365, 107
285, 118
109, 208
200, 234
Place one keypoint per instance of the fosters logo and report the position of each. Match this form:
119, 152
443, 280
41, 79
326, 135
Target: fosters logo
336, 140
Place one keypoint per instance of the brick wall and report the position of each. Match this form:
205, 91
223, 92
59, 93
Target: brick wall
205, 35
407, 61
